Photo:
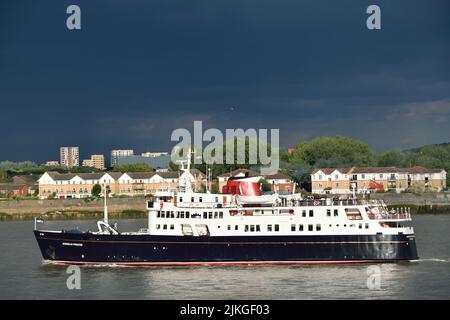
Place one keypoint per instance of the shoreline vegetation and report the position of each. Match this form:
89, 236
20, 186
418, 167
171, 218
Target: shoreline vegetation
129, 208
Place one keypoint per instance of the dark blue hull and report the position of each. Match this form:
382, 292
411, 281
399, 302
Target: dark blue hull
86, 248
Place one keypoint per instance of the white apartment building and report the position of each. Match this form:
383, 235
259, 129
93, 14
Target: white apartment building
154, 154
69, 156
115, 154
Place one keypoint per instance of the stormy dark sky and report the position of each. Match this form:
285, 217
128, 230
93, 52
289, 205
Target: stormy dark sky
139, 69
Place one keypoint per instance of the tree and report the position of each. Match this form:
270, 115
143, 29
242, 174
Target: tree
133, 167
265, 185
333, 152
391, 159
96, 190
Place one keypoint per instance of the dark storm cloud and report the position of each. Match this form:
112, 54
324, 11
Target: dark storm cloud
139, 69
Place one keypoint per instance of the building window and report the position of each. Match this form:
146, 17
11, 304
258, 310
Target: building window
187, 214
269, 228
181, 199
165, 227
318, 227
311, 213
310, 227
229, 227
367, 226
172, 227
277, 227
258, 228
328, 212
192, 199
292, 227
360, 226
236, 227
300, 227
200, 199
158, 226
220, 215
304, 213
335, 212
246, 228
252, 228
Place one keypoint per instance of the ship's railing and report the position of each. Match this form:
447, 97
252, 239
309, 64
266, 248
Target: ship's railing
332, 202
384, 214
289, 203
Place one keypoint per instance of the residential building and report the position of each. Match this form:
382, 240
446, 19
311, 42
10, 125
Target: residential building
117, 154
71, 185
159, 162
279, 182
97, 161
154, 154
367, 179
51, 163
69, 156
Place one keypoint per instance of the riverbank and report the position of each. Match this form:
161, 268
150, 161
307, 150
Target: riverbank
438, 203
72, 209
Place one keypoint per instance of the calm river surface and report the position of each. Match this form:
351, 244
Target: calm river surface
23, 276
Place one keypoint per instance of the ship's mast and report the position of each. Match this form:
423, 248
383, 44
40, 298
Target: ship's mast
105, 208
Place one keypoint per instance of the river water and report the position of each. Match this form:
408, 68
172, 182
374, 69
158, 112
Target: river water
22, 275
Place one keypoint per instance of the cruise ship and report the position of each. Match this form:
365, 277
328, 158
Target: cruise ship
241, 226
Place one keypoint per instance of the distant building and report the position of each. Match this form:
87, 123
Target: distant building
116, 154
69, 156
97, 161
154, 154
51, 163
157, 163
367, 179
